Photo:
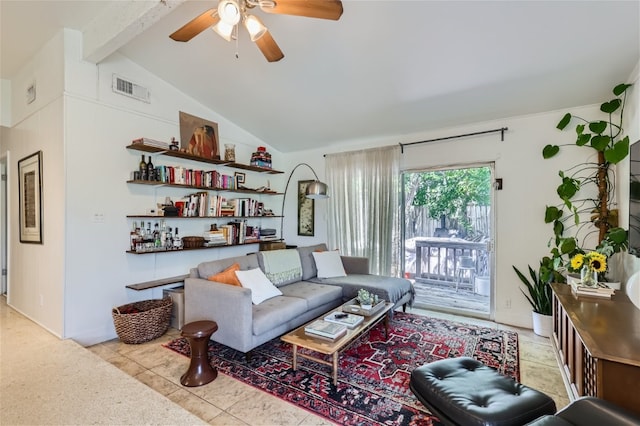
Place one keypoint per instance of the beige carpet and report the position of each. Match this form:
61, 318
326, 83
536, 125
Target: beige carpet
48, 381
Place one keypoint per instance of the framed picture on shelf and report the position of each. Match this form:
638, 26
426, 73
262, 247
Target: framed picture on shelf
30, 198
240, 177
199, 137
306, 209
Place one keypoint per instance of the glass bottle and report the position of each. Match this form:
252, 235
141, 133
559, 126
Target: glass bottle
151, 171
156, 235
143, 169
168, 243
177, 241
133, 236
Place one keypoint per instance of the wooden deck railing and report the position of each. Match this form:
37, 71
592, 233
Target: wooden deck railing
437, 259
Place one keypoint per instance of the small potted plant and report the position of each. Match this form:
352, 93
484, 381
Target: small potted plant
540, 298
366, 299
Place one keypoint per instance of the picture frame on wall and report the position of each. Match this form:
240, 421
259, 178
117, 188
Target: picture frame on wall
306, 210
30, 198
199, 137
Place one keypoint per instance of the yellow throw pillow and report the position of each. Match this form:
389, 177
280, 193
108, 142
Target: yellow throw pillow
228, 276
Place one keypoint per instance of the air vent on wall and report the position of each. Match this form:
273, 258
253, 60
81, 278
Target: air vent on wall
129, 88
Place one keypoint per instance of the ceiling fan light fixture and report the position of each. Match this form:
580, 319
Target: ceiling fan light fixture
255, 27
223, 29
229, 12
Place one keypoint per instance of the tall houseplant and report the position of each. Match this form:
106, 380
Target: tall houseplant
540, 299
604, 137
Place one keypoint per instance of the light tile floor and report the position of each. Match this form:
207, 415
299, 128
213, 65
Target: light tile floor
226, 401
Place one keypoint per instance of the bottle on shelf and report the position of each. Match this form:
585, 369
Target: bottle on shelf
177, 241
156, 236
133, 236
168, 243
151, 171
143, 169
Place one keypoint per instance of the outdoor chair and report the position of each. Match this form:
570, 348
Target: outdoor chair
466, 264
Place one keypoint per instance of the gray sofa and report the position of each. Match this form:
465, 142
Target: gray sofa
243, 325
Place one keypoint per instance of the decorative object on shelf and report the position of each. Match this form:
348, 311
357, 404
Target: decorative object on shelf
30, 198
589, 265
192, 242
230, 152
316, 190
261, 158
198, 136
240, 178
175, 146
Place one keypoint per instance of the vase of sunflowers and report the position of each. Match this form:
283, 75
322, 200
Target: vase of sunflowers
589, 265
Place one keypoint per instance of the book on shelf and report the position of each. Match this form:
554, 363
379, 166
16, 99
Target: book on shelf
325, 329
601, 290
151, 142
349, 320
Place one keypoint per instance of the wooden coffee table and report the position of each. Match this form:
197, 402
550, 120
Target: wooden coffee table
299, 339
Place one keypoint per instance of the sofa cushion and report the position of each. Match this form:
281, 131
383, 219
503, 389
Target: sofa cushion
306, 259
206, 269
387, 288
275, 312
281, 266
228, 276
329, 264
260, 286
315, 294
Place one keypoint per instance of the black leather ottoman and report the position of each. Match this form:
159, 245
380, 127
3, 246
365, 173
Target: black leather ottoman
465, 392
588, 411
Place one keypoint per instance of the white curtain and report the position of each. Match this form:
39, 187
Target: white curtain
364, 206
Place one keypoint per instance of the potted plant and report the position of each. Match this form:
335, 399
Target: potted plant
540, 299
366, 299
604, 136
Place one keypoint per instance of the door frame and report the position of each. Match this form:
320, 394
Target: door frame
491, 246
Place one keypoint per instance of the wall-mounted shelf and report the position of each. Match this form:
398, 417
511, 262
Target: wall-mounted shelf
201, 188
185, 156
202, 248
142, 216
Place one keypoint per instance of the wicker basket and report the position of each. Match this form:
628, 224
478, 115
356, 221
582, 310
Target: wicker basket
140, 322
192, 242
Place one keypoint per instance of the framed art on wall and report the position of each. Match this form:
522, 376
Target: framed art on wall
306, 208
198, 136
30, 198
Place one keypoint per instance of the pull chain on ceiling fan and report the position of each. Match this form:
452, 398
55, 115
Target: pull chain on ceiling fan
226, 17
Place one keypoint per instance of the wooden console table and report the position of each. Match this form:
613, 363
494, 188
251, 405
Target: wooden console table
598, 343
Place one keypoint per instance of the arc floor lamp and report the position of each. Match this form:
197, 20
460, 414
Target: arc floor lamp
315, 190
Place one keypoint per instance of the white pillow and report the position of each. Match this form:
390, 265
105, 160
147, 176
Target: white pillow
329, 264
261, 288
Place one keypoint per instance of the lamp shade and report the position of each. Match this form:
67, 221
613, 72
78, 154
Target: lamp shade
255, 27
229, 11
316, 190
223, 29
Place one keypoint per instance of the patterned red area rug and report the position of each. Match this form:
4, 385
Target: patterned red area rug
373, 379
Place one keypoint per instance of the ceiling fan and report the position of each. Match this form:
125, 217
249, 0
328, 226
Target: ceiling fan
225, 18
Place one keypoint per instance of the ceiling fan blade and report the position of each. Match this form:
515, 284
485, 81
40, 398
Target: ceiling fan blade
269, 47
196, 26
323, 9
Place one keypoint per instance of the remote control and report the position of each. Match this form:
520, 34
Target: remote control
341, 315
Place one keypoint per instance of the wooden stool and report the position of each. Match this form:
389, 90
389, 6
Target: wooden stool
200, 372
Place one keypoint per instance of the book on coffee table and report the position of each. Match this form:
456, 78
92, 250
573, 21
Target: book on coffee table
325, 329
350, 320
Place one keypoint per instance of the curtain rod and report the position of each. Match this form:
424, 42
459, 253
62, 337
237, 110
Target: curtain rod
501, 130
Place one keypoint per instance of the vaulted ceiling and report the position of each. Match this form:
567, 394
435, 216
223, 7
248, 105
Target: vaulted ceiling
386, 68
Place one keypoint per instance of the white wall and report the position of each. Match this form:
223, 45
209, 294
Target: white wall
624, 265
82, 269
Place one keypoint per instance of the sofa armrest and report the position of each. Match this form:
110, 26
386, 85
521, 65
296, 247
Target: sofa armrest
228, 305
355, 265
